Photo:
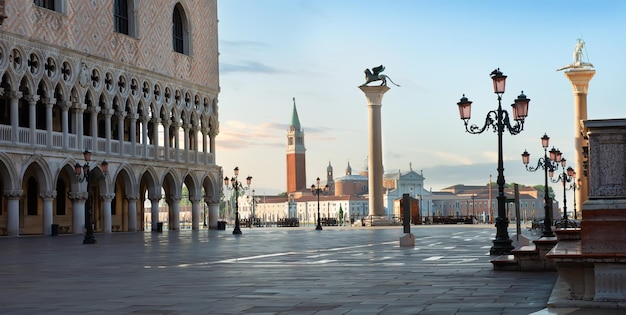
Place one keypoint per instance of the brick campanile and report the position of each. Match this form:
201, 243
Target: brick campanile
296, 157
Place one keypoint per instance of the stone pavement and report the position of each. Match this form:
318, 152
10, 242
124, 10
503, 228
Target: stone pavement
340, 270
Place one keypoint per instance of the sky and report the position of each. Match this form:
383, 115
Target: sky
316, 51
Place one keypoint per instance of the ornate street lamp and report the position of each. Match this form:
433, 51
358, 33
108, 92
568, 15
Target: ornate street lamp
499, 120
237, 187
317, 191
576, 183
84, 174
549, 165
565, 177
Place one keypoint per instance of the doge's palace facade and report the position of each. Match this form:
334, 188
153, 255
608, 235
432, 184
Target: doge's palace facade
133, 82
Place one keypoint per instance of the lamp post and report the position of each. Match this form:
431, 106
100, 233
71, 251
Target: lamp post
236, 186
317, 191
576, 183
473, 208
565, 177
84, 174
548, 164
499, 120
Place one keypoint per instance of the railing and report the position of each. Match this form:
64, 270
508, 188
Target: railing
41, 139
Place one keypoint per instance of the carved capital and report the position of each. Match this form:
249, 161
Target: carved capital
32, 99
154, 198
65, 105
48, 195
80, 196
107, 198
132, 198
16, 94
13, 194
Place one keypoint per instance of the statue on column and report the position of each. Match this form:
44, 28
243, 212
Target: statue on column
375, 75
578, 57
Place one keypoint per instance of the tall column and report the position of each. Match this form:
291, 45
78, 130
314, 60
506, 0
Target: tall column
214, 211
166, 138
579, 78
47, 197
144, 135
195, 213
176, 141
78, 211
174, 223
186, 142
374, 96
49, 104
154, 211
32, 117
155, 136
132, 212
78, 120
107, 129
15, 121
132, 132
65, 107
13, 211
94, 127
106, 212
121, 115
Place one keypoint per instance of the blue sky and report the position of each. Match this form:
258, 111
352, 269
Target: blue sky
316, 51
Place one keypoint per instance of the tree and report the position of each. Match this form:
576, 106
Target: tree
542, 188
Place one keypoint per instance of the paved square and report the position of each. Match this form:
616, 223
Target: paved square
340, 270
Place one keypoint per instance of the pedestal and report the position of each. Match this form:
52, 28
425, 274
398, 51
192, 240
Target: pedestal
374, 96
407, 239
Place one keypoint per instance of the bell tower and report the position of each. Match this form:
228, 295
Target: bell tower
296, 158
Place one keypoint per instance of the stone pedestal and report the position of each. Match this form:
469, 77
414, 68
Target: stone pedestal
408, 239
579, 78
594, 267
374, 96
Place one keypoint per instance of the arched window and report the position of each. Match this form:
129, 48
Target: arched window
60, 199
32, 195
124, 17
180, 30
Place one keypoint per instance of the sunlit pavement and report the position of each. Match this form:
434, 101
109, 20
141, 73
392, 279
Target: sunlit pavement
340, 270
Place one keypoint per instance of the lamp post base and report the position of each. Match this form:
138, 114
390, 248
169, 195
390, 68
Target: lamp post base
237, 230
501, 247
89, 240
318, 228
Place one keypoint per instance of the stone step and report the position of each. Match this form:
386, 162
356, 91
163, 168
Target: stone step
505, 263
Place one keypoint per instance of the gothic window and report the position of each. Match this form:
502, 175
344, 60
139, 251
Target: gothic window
31, 196
53, 5
60, 199
180, 31
120, 15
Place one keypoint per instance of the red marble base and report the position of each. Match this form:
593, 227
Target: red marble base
603, 232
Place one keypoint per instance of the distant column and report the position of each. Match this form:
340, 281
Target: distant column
374, 96
13, 211
78, 211
47, 197
154, 211
579, 78
132, 212
106, 212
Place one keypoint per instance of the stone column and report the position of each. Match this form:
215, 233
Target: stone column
106, 212
186, 142
144, 135
579, 78
132, 132
108, 113
154, 211
374, 96
195, 213
32, 118
174, 223
78, 120
65, 107
132, 212
78, 211
13, 211
214, 211
176, 141
47, 197
121, 115
155, 136
15, 121
49, 103
166, 138
94, 127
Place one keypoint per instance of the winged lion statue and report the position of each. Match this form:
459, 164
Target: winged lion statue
375, 75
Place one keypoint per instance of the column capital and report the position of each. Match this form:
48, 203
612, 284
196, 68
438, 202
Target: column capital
154, 198
196, 199
80, 196
65, 105
374, 94
16, 94
32, 99
48, 195
13, 194
108, 197
132, 197
580, 79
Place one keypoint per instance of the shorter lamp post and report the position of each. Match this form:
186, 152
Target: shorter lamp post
564, 178
234, 184
576, 183
317, 191
548, 164
84, 174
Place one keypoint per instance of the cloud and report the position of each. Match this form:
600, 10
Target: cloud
452, 157
246, 66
